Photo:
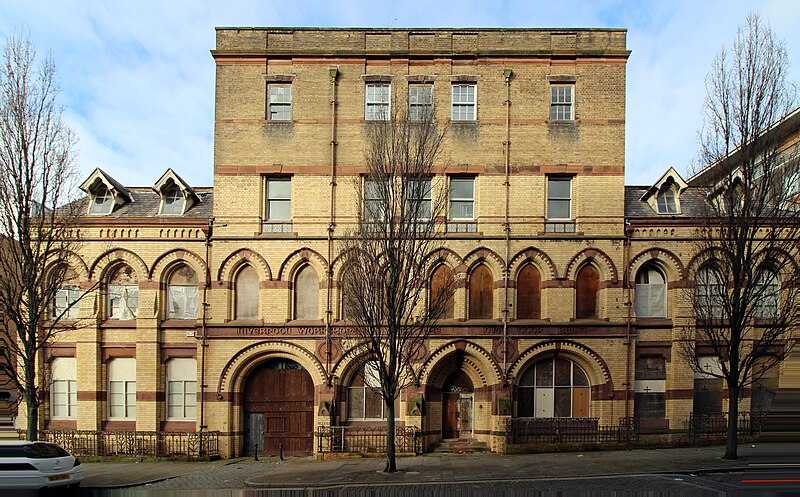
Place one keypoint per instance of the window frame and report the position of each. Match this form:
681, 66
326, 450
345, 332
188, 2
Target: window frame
534, 386
373, 194
128, 391
107, 204
462, 200
650, 267
282, 105
170, 288
70, 388
417, 110
559, 102
426, 202
277, 199
172, 195
238, 289
375, 107
367, 389
708, 278
667, 194
70, 294
551, 198
463, 104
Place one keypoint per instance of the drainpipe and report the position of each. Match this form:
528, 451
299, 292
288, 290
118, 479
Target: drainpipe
204, 343
334, 73
506, 222
629, 303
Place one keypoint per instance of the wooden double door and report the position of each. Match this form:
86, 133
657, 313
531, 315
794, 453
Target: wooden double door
279, 409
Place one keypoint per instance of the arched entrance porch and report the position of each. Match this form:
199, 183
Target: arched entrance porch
458, 406
278, 408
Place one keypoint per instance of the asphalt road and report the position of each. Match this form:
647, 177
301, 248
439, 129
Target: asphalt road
774, 482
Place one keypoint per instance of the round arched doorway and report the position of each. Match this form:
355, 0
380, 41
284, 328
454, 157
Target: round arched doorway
279, 409
457, 406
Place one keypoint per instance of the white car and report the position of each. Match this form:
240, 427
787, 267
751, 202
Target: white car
35, 465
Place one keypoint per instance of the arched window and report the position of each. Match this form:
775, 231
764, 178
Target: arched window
172, 200
441, 302
306, 294
709, 293
529, 293
481, 285
364, 401
66, 303
123, 293
554, 388
182, 293
767, 294
102, 201
651, 292
246, 293
666, 199
587, 286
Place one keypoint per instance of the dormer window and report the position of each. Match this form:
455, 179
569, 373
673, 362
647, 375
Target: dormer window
666, 200
173, 201
102, 200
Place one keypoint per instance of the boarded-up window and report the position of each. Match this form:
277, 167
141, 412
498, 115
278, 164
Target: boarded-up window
554, 387
247, 293
480, 293
441, 304
650, 387
182, 295
651, 293
707, 387
529, 293
123, 294
306, 294
587, 285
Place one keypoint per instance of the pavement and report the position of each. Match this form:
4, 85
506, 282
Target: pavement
296, 473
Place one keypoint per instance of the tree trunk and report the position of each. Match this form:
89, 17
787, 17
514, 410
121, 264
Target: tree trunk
33, 419
391, 450
732, 440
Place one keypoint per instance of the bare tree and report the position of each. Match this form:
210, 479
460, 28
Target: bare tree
36, 179
746, 293
387, 256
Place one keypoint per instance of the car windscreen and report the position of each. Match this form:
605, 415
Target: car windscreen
34, 451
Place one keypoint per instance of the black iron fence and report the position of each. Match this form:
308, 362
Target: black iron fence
714, 425
367, 439
182, 445
562, 431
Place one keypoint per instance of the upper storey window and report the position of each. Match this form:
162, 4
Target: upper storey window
462, 198
559, 198
102, 201
420, 102
464, 102
173, 201
562, 102
279, 199
123, 294
279, 104
377, 102
666, 201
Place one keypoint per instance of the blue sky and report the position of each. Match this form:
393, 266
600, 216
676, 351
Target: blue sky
138, 79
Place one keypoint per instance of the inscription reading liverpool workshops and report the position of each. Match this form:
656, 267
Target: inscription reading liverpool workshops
280, 330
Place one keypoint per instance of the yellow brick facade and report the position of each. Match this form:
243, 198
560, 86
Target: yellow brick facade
321, 150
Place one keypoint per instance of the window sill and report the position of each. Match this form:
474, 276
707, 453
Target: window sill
306, 322
529, 321
118, 323
562, 121
179, 323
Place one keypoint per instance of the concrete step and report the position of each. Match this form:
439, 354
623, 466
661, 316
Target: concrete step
460, 446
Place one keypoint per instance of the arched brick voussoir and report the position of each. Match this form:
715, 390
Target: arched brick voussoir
608, 271
168, 259
349, 362
244, 256
73, 260
235, 372
702, 257
444, 256
490, 258
489, 371
664, 258
110, 259
300, 257
587, 358
542, 261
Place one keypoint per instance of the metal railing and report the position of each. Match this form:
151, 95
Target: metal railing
184, 445
712, 425
562, 431
367, 439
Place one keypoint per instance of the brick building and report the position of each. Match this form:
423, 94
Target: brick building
220, 310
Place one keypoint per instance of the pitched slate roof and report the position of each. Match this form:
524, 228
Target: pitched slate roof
693, 202
146, 203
